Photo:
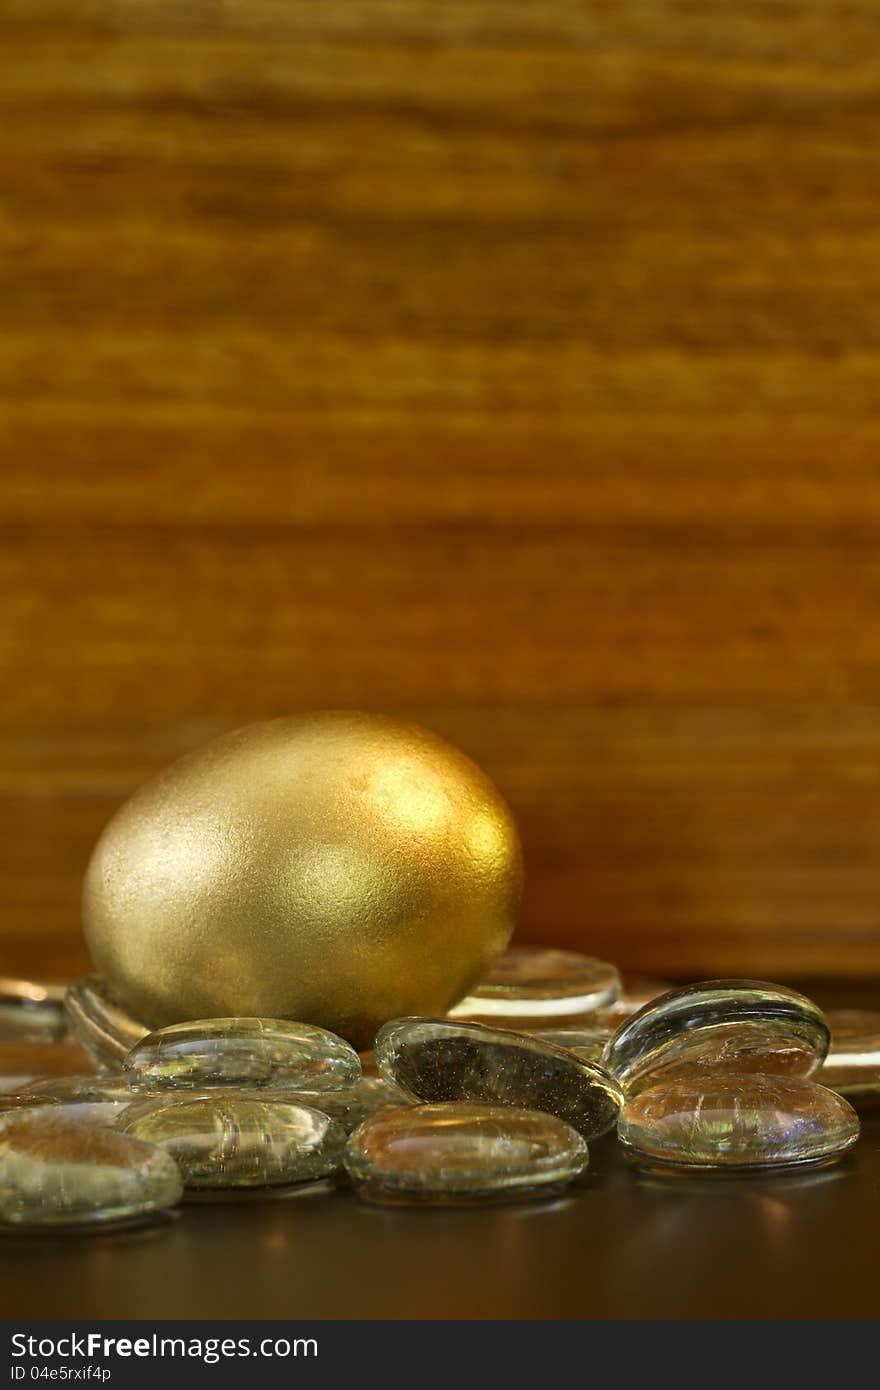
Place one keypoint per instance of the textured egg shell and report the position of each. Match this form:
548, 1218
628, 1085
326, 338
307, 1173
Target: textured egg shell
337, 869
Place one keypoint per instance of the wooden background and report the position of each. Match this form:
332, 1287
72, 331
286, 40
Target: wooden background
512, 366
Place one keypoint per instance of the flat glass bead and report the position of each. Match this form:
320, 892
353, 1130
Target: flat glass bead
103, 1113
437, 1060
97, 1099
730, 1121
101, 1025
56, 1172
101, 1098
233, 1139
31, 1012
24, 1099
245, 1053
457, 1153
718, 1026
852, 1066
22, 1063
586, 1043
350, 1106
74, 1089
530, 987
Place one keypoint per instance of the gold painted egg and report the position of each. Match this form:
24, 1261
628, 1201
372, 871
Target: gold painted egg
340, 869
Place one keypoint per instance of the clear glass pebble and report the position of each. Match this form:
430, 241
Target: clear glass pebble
100, 1113
458, 1153
351, 1105
236, 1140
27, 1098
368, 1063
99, 1100
31, 1012
57, 1172
730, 1121
74, 1089
244, 1053
436, 1060
852, 1066
718, 1026
529, 987
100, 1024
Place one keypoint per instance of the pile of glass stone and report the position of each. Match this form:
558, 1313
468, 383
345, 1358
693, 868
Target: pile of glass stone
103, 1121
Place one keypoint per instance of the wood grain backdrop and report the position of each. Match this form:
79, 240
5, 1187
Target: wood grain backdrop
512, 366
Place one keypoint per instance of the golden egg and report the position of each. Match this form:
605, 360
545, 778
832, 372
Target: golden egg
340, 869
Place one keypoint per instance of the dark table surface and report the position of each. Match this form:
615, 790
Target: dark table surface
625, 1244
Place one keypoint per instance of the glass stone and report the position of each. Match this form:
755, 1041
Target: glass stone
459, 1153
96, 1099
103, 1113
586, 1043
529, 987
352, 1105
55, 1172
31, 1012
234, 1139
73, 1089
101, 1025
718, 1026
246, 1053
24, 1099
95, 1086
437, 1060
730, 1121
852, 1066
22, 1063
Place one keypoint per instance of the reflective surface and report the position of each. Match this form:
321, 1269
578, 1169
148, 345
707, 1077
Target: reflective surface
437, 1060
250, 1052
738, 1122
56, 1172
852, 1066
457, 1152
531, 987
719, 1025
233, 1140
622, 1243
31, 1011
100, 1024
